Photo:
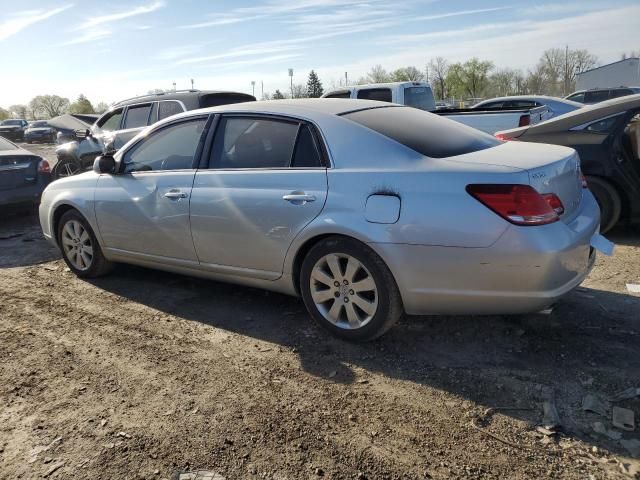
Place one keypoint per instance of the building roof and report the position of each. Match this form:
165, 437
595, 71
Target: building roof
609, 64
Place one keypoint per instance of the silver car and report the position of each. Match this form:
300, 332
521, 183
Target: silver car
364, 209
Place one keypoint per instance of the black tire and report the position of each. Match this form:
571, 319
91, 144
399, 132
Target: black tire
98, 265
389, 303
65, 167
609, 201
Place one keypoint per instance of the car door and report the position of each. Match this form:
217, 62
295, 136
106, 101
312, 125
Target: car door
144, 210
264, 182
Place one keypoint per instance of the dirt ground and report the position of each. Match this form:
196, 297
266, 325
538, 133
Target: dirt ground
144, 374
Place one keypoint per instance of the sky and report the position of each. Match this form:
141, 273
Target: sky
117, 49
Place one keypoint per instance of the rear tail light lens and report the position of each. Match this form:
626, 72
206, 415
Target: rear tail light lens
43, 167
524, 120
554, 202
518, 204
504, 138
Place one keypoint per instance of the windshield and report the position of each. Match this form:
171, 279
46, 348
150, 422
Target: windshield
39, 125
419, 97
12, 122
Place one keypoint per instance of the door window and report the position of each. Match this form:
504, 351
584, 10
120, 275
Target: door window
621, 92
307, 154
171, 148
243, 142
137, 116
168, 108
596, 96
111, 121
380, 94
341, 94
576, 97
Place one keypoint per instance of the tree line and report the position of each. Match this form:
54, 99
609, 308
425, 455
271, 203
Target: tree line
44, 107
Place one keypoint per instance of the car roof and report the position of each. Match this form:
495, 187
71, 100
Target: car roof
185, 96
586, 114
597, 89
541, 98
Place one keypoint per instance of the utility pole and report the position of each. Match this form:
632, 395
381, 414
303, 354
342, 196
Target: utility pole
291, 77
192, 84
262, 89
174, 86
346, 79
253, 88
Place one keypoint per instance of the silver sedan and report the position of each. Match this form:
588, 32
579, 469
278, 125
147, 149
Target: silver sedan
364, 209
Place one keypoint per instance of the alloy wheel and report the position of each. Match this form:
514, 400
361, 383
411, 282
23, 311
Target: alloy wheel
344, 291
76, 242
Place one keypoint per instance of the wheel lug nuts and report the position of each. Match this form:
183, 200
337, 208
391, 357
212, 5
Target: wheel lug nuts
351, 292
346, 299
346, 282
336, 294
336, 284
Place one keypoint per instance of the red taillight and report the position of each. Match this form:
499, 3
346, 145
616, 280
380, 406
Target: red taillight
504, 138
43, 167
524, 120
554, 202
583, 179
518, 204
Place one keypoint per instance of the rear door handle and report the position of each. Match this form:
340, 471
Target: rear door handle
175, 194
299, 198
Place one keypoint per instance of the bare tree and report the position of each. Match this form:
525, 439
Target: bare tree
407, 74
377, 74
48, 106
18, 111
439, 67
299, 91
503, 83
536, 82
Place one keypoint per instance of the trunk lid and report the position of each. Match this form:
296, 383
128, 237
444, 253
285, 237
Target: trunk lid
18, 170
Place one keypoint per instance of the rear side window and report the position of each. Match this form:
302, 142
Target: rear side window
491, 105
424, 132
596, 96
306, 154
380, 94
419, 97
171, 148
521, 104
621, 92
602, 126
137, 116
168, 108
344, 94
243, 142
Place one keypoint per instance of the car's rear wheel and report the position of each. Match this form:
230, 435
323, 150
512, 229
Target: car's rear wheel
609, 201
79, 246
349, 290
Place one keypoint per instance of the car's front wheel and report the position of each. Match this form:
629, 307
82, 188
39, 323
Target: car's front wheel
349, 290
79, 246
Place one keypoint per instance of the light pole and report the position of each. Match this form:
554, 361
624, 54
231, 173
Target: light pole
253, 88
291, 77
174, 86
192, 84
262, 89
346, 79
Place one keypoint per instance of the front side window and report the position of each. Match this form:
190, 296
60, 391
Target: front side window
380, 94
137, 116
342, 94
111, 121
171, 148
602, 126
596, 96
168, 108
243, 142
577, 97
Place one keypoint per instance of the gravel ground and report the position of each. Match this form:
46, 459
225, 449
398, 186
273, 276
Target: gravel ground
144, 374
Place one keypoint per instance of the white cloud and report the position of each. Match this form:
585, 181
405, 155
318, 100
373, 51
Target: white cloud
87, 37
458, 14
92, 22
21, 20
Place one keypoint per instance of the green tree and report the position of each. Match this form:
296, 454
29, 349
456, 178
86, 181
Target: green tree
407, 74
4, 114
314, 86
469, 79
48, 106
278, 95
81, 105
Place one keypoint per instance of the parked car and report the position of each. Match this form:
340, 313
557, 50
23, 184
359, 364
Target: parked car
40, 131
363, 208
606, 136
442, 105
23, 175
419, 95
13, 129
556, 106
601, 94
127, 118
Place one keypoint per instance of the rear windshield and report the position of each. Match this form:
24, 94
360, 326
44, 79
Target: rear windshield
424, 132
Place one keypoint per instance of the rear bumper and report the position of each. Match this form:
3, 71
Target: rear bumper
525, 270
23, 195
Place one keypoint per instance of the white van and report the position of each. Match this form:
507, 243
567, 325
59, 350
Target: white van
413, 94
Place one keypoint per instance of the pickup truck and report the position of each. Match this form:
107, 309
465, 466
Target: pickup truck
419, 95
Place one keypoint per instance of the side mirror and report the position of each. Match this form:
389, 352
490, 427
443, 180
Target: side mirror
83, 133
104, 164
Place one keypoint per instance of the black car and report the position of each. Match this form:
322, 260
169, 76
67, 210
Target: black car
13, 129
596, 95
40, 131
607, 138
23, 175
127, 118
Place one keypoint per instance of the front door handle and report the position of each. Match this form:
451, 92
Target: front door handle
299, 198
175, 194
